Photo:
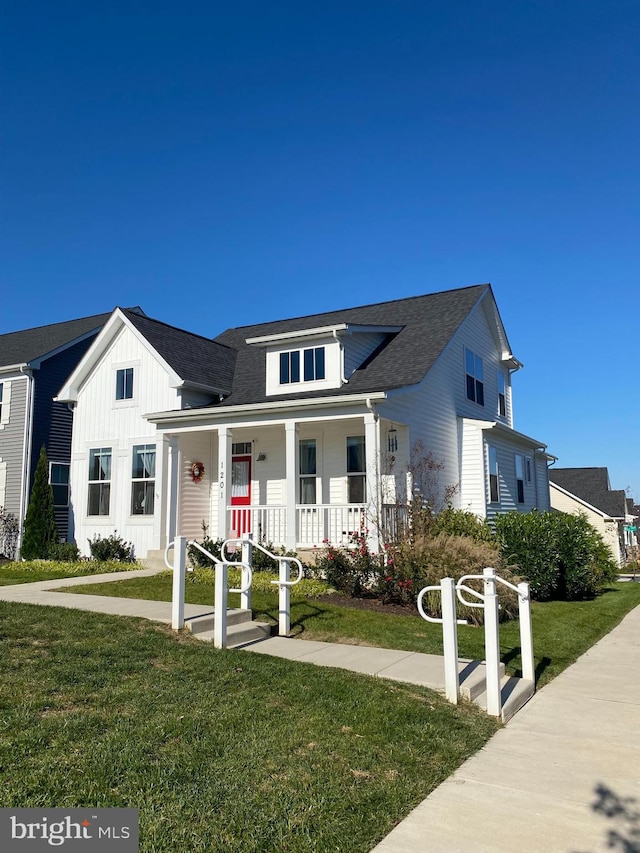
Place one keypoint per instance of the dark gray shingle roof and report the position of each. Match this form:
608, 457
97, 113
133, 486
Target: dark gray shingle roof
30, 344
197, 360
593, 486
427, 325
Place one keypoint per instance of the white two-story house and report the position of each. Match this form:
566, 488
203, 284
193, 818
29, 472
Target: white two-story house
299, 430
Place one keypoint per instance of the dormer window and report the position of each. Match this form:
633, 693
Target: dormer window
312, 364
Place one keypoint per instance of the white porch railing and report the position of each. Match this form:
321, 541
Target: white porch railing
315, 523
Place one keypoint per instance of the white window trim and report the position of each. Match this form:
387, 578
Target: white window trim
5, 405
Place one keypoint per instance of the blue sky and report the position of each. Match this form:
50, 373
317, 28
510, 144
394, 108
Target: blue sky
222, 164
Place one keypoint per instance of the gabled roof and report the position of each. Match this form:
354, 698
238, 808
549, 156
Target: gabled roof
31, 345
196, 360
427, 324
593, 486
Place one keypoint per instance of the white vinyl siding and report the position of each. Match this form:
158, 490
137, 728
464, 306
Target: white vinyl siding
358, 347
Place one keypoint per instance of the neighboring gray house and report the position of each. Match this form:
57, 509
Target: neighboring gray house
588, 491
33, 365
299, 430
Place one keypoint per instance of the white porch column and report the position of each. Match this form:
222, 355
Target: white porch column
292, 467
173, 489
372, 454
224, 479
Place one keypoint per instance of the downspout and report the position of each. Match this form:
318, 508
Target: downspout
27, 450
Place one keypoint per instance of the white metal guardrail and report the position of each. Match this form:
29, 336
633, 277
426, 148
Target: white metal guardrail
488, 599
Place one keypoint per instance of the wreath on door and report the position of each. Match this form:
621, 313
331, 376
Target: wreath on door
197, 472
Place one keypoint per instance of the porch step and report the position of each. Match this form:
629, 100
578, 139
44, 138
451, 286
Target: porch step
515, 693
155, 560
473, 678
241, 629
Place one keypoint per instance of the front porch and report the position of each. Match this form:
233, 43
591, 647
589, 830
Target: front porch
294, 484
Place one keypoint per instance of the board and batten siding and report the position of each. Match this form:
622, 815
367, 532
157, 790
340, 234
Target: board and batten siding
101, 421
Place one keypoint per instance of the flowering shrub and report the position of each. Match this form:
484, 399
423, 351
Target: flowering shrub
353, 570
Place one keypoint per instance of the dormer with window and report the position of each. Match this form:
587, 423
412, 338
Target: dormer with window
318, 359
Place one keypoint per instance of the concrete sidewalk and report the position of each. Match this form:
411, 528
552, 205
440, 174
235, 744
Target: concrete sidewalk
40, 592
562, 777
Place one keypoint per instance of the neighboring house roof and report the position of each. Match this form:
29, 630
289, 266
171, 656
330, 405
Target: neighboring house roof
593, 486
32, 345
427, 324
198, 361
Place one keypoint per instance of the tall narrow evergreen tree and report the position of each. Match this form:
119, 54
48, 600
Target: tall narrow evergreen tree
40, 530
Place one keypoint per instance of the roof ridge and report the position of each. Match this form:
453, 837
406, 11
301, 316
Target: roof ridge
127, 311
362, 307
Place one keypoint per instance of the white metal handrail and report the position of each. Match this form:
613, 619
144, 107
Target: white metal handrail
234, 563
451, 591
278, 557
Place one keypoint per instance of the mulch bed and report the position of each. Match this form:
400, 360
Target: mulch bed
373, 604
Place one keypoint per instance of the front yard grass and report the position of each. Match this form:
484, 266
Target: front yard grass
219, 750
48, 570
562, 631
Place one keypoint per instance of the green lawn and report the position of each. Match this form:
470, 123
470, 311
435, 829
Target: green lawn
219, 750
562, 631
47, 570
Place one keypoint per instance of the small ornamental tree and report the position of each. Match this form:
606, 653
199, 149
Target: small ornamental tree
40, 530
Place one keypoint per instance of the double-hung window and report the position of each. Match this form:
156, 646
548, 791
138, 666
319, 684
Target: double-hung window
494, 488
356, 470
143, 479
502, 394
474, 377
59, 480
124, 383
520, 478
308, 470
99, 481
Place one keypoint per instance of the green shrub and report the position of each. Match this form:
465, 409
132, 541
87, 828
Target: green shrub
111, 548
457, 522
530, 541
425, 561
560, 554
40, 531
262, 582
64, 552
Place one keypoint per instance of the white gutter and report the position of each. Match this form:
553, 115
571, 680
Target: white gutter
221, 413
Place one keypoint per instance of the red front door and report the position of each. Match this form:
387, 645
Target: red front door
240, 495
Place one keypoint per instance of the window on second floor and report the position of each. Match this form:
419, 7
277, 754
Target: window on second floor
502, 394
5, 403
474, 377
312, 365
124, 383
